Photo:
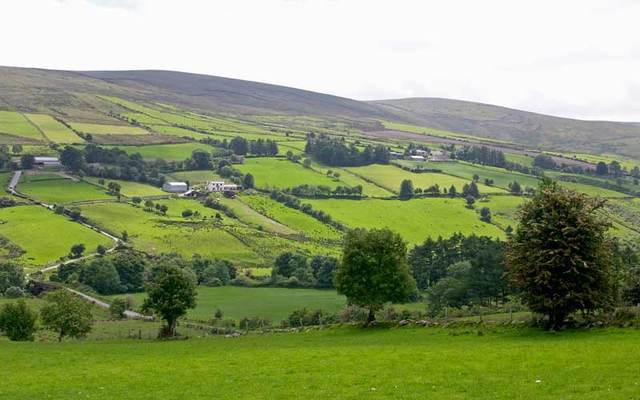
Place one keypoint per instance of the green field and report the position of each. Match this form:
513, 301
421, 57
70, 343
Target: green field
274, 304
414, 219
519, 159
130, 188
52, 188
156, 234
45, 236
340, 363
253, 218
16, 124
281, 173
167, 152
503, 209
501, 177
180, 132
436, 132
100, 129
54, 130
391, 177
294, 219
195, 177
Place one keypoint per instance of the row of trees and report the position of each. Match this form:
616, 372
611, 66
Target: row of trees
300, 270
325, 191
336, 153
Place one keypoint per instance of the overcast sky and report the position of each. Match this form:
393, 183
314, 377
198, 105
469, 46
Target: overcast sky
575, 58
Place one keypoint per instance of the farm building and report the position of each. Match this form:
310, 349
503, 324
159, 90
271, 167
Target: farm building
175, 187
395, 154
420, 152
46, 161
220, 186
416, 158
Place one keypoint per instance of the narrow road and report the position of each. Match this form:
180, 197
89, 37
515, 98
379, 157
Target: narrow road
14, 182
129, 314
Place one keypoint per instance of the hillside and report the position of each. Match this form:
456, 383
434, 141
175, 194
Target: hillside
517, 126
29, 90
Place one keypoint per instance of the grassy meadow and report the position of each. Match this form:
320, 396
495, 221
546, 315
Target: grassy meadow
390, 177
103, 129
54, 130
129, 188
56, 189
45, 236
414, 219
270, 173
16, 124
400, 363
167, 152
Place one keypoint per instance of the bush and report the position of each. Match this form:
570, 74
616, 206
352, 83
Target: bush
18, 321
353, 313
247, 323
304, 317
13, 292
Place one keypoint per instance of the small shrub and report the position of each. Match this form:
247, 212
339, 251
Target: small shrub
14, 292
117, 308
18, 321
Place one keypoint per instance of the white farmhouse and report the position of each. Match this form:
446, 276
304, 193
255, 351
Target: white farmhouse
420, 152
416, 158
46, 161
175, 187
220, 186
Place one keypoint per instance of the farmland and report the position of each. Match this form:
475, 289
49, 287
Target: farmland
167, 152
390, 177
156, 234
16, 124
415, 219
54, 130
271, 173
400, 363
54, 189
129, 188
43, 235
99, 129
195, 177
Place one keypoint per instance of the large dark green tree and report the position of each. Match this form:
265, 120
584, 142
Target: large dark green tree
560, 254
170, 293
374, 269
406, 189
67, 315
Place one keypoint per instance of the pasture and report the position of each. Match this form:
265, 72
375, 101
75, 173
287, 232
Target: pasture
56, 189
400, 363
253, 218
45, 236
294, 219
168, 152
155, 234
195, 177
501, 177
179, 132
280, 173
390, 177
102, 129
129, 188
414, 219
16, 124
54, 130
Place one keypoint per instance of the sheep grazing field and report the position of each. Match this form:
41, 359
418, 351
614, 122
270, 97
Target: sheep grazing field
341, 363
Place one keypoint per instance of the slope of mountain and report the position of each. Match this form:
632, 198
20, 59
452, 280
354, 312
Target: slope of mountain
31, 90
517, 126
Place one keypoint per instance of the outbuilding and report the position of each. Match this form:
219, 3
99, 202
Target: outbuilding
175, 187
46, 161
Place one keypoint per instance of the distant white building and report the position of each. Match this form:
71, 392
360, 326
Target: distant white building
46, 161
420, 152
175, 187
220, 186
416, 158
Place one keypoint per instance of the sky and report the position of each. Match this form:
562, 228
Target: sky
572, 58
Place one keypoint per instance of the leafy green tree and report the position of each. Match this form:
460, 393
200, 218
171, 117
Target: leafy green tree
453, 191
72, 158
239, 146
515, 188
248, 182
27, 161
136, 200
601, 168
170, 293
560, 255
201, 159
117, 308
18, 321
11, 275
406, 189
485, 214
102, 276
77, 250
471, 189
67, 315
374, 269
16, 149
101, 250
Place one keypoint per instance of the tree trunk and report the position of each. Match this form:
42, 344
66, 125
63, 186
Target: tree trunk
371, 317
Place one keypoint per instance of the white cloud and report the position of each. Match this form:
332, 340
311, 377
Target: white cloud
575, 58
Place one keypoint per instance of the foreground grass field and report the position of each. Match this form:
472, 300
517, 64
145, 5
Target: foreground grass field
408, 363
56, 189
